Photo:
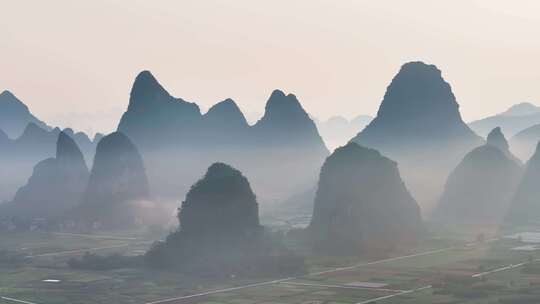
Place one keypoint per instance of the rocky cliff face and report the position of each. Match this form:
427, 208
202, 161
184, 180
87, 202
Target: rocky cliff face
117, 184
525, 206
362, 205
418, 121
56, 184
479, 190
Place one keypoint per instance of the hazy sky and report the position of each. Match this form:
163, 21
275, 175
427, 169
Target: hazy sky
73, 62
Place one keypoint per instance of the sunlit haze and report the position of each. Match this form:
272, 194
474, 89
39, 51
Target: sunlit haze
73, 63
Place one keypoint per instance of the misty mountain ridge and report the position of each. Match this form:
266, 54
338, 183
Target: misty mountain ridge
56, 184
15, 115
524, 142
517, 118
177, 141
337, 130
520, 109
25, 140
17, 122
35, 144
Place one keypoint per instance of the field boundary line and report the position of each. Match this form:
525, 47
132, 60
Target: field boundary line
96, 236
508, 267
342, 286
383, 261
221, 290
16, 300
75, 251
395, 295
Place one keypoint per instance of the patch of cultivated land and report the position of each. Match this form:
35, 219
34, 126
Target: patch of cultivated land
488, 272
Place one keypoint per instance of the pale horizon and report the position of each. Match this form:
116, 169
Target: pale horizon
74, 64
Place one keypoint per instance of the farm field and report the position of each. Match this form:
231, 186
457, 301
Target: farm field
450, 271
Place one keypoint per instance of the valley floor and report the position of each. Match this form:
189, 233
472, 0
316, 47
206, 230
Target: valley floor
441, 270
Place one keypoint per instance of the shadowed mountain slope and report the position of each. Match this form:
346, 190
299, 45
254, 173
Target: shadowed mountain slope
479, 190
524, 142
525, 206
18, 156
117, 185
56, 184
418, 121
219, 218
362, 205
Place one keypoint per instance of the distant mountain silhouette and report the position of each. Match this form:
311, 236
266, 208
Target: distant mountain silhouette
337, 130
56, 184
154, 117
418, 121
226, 114
362, 205
524, 108
286, 123
18, 156
479, 190
87, 146
525, 206
15, 116
418, 108
517, 118
496, 138
117, 184
524, 142
177, 141
24, 141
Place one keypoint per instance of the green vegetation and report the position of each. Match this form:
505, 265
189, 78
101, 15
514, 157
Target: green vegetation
105, 268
